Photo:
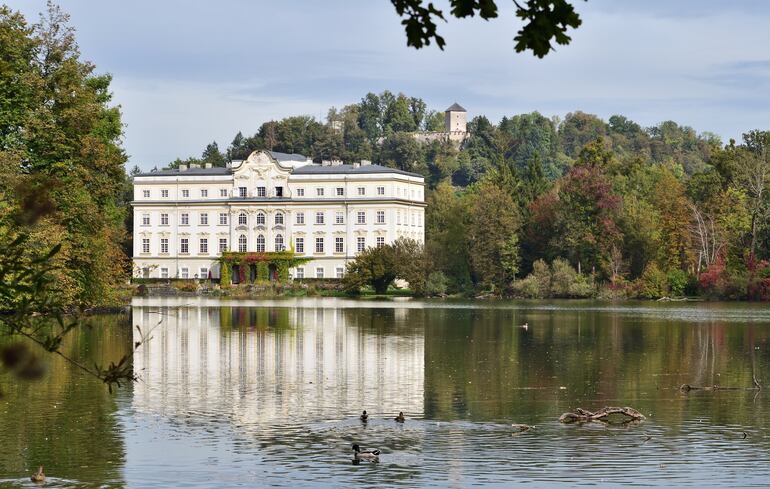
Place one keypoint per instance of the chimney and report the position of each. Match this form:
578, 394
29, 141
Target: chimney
207, 165
194, 165
356, 164
326, 163
183, 167
365, 162
336, 162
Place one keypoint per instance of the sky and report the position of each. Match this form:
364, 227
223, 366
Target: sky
188, 72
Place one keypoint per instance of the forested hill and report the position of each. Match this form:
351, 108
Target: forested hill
572, 207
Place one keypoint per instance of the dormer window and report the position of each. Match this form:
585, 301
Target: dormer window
261, 192
242, 192
279, 191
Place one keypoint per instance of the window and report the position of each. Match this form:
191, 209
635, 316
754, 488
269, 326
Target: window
164, 219
319, 272
279, 191
261, 192
279, 242
319, 217
164, 245
340, 272
242, 192
223, 218
260, 244
419, 220
184, 273
204, 273
380, 190
242, 243
339, 245
184, 245
339, 218
242, 219
184, 219
260, 218
361, 190
340, 191
279, 218
223, 192
413, 219
164, 193
300, 193
222, 245
319, 191
380, 217
398, 217
300, 272
204, 218
145, 245
299, 245
380, 241
361, 244
146, 194
185, 193
204, 192
319, 245
204, 245
300, 218
361, 217
164, 272
145, 219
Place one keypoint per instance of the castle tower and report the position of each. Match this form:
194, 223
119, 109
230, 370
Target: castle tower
455, 119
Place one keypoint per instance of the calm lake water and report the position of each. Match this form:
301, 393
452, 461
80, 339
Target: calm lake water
268, 393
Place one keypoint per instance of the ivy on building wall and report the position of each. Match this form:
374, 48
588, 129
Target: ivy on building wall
282, 261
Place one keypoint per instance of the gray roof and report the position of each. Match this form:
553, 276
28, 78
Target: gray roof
220, 170
455, 107
349, 170
287, 156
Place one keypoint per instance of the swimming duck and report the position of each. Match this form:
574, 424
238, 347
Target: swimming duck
524, 326
400, 418
364, 416
39, 476
365, 454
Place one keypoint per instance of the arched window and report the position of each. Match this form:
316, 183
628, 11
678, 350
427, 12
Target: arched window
279, 242
242, 219
242, 243
260, 244
260, 218
279, 218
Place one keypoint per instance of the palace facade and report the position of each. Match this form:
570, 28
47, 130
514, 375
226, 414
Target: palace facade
185, 218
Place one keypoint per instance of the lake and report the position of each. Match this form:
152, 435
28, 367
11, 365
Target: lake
268, 393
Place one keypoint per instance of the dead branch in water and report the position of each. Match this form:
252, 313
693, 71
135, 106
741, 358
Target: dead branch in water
584, 416
687, 387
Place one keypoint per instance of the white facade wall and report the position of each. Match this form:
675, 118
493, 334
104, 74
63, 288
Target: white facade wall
170, 207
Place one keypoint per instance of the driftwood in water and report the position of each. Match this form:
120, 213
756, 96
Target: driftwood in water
583, 416
687, 387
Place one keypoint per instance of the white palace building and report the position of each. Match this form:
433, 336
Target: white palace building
185, 218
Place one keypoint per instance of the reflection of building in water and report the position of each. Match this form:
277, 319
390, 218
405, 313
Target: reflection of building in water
258, 364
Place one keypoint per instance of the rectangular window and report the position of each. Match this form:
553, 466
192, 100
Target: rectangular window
223, 192
340, 272
380, 217
279, 191
380, 190
222, 245
319, 245
319, 217
164, 219
398, 217
339, 218
299, 245
380, 241
242, 192
204, 193
319, 272
300, 272
340, 191
300, 193
204, 245
319, 192
413, 219
184, 272
204, 219
261, 192
361, 217
164, 193
300, 218
164, 245
339, 245
145, 245
361, 244
185, 193
164, 272
184, 219
145, 219
223, 218
184, 245
361, 190
146, 194
204, 273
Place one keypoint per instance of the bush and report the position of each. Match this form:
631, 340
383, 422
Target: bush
653, 284
436, 284
563, 277
677, 282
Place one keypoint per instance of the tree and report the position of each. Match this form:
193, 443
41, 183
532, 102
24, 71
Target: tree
544, 20
212, 155
402, 151
752, 175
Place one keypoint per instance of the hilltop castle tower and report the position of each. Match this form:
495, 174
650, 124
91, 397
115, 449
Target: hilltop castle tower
455, 119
